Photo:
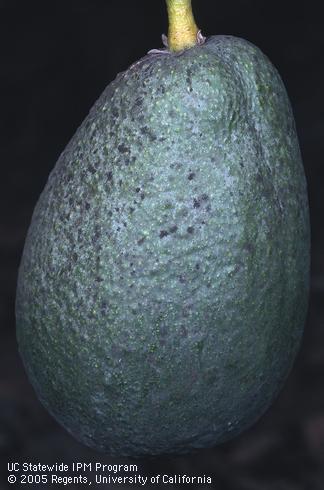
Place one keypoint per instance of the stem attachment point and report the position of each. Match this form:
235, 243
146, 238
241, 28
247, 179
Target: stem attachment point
183, 31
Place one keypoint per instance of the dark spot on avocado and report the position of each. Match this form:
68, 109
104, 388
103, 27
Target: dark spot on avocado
97, 231
163, 233
110, 175
199, 200
187, 308
148, 132
249, 247
74, 256
87, 205
190, 229
104, 305
237, 268
131, 210
141, 240
92, 169
139, 102
197, 266
191, 176
69, 177
168, 205
142, 196
182, 279
196, 203
114, 111
137, 189
173, 229
259, 178
123, 148
188, 79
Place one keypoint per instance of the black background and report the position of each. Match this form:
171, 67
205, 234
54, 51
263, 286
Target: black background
56, 59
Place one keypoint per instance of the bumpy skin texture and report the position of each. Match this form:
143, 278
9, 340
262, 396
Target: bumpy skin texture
164, 282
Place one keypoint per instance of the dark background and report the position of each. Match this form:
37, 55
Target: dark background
56, 58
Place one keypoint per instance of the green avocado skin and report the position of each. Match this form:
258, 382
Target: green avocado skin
164, 282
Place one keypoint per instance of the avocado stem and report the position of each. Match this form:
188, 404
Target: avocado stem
183, 31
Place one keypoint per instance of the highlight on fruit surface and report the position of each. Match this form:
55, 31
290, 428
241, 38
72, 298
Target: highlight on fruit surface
163, 286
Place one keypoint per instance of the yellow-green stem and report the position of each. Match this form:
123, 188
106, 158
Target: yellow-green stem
183, 30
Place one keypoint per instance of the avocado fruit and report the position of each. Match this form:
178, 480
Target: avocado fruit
163, 287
